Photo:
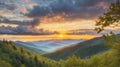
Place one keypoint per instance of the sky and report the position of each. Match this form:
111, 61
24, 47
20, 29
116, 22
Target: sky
42, 20
43, 17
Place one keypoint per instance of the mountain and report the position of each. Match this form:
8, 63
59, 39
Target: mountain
83, 49
47, 46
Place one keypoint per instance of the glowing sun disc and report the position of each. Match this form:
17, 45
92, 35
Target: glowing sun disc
61, 35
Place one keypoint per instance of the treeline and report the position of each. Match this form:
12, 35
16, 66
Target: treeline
14, 56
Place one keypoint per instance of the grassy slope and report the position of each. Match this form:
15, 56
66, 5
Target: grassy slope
83, 50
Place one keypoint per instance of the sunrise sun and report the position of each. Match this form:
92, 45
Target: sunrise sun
61, 35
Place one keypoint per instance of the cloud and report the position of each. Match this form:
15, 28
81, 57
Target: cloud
23, 30
33, 23
83, 32
46, 11
71, 9
92, 32
28, 30
10, 5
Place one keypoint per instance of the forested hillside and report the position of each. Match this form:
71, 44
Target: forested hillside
14, 56
84, 49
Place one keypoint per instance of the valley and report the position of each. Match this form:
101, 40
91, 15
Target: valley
47, 46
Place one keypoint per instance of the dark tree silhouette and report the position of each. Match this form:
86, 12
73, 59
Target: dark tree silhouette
110, 18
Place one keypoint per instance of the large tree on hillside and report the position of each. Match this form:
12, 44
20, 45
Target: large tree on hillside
110, 18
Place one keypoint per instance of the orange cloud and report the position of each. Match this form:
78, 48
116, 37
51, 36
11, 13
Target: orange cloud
62, 25
54, 19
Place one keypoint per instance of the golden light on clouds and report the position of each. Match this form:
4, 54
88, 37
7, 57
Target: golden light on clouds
54, 19
68, 25
61, 24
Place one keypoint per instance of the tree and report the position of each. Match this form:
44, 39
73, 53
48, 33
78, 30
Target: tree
21, 49
73, 61
110, 18
14, 47
36, 58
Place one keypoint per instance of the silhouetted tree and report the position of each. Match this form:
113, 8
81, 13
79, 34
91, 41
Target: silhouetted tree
110, 18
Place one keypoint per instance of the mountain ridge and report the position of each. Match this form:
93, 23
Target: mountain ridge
46, 46
84, 49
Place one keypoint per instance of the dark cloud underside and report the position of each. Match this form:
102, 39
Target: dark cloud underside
68, 9
71, 8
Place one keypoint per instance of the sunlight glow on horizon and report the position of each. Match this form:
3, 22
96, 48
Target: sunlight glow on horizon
61, 35
30, 38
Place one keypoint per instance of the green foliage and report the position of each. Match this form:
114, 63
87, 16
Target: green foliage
106, 59
112, 41
111, 17
19, 57
4, 64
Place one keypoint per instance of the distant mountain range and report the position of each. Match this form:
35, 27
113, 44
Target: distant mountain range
47, 46
83, 49
61, 49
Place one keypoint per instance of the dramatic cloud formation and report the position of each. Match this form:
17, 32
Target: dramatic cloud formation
28, 14
71, 9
